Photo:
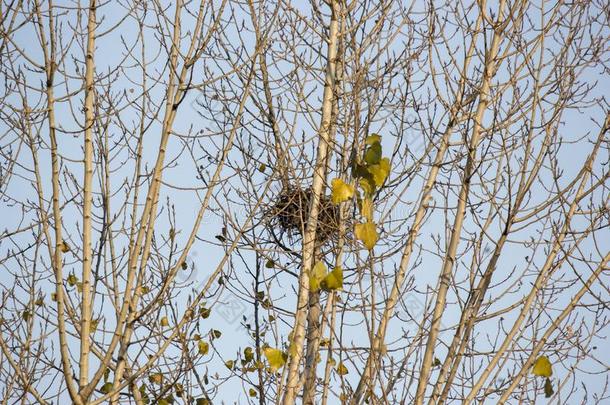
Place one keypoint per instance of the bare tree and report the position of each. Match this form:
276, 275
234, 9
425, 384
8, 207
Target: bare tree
405, 203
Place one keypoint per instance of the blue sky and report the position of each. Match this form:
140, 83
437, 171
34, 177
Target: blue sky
185, 190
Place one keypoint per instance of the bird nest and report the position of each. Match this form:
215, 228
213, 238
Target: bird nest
290, 213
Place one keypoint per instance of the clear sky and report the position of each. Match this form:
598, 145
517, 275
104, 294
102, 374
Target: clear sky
231, 312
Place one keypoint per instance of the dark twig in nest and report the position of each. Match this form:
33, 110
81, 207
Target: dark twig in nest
290, 212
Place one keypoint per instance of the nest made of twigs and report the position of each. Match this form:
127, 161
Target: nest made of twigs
290, 212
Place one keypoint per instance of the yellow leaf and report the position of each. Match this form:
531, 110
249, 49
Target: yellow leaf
229, 364
372, 139
333, 280
367, 233
54, 297
316, 275
380, 171
248, 354
252, 392
72, 280
156, 378
542, 367
164, 322
341, 191
341, 369
367, 184
262, 168
203, 347
203, 401
366, 208
64, 247
275, 357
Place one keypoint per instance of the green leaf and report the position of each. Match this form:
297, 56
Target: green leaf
359, 170
548, 388
143, 394
106, 388
204, 312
